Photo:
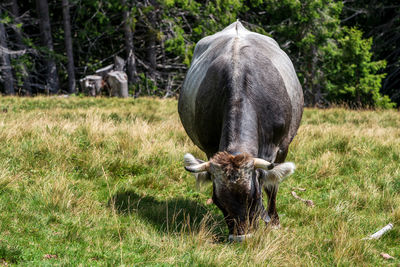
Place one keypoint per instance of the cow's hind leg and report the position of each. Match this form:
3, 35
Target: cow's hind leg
272, 190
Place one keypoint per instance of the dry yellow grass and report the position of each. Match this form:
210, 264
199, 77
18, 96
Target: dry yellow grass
100, 182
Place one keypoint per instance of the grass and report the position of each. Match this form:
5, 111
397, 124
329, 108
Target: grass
95, 181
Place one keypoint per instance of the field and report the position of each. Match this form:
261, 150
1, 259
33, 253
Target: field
96, 181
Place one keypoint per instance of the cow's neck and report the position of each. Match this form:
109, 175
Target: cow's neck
240, 128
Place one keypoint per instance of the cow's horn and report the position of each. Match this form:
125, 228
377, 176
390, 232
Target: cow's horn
263, 164
198, 168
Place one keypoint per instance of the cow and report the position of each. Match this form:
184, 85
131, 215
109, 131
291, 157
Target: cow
241, 103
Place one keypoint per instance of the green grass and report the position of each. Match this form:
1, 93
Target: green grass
99, 181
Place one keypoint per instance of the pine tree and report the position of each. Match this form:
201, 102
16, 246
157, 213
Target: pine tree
5, 61
47, 41
68, 47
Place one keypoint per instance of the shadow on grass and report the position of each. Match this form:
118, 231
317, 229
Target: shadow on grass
173, 215
9, 255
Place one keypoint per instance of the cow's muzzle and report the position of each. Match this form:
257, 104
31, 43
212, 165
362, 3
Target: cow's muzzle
238, 238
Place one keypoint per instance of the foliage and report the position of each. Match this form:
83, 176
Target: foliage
20, 72
325, 53
353, 77
381, 21
99, 181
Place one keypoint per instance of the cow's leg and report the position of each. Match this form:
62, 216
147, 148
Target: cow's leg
281, 155
271, 191
264, 214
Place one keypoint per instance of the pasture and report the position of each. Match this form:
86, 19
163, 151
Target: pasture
96, 181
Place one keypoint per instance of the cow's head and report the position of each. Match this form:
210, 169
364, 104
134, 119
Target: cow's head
237, 182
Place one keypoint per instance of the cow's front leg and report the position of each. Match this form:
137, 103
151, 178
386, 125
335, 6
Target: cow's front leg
271, 191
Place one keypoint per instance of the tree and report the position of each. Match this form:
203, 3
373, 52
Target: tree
68, 47
354, 78
303, 29
379, 19
47, 41
129, 47
157, 38
329, 58
5, 60
152, 36
21, 45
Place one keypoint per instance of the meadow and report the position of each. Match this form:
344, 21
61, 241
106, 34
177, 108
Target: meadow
100, 182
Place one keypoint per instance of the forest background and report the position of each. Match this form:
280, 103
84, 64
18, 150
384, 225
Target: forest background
344, 52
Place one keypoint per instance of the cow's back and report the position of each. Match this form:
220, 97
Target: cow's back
228, 59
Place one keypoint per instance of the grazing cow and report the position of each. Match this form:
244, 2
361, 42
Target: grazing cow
241, 103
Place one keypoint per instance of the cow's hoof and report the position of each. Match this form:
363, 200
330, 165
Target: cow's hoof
274, 224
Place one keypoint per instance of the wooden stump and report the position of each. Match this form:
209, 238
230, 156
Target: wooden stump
91, 84
119, 63
118, 83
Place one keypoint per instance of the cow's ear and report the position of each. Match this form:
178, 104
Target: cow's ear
198, 168
278, 173
202, 178
195, 165
189, 159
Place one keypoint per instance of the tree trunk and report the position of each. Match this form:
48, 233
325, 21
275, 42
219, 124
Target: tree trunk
20, 42
129, 47
313, 80
5, 62
151, 41
68, 47
151, 52
45, 31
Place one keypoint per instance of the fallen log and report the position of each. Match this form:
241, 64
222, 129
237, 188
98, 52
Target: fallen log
104, 71
380, 233
298, 188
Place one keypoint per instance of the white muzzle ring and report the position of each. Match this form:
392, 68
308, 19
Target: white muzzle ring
238, 238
